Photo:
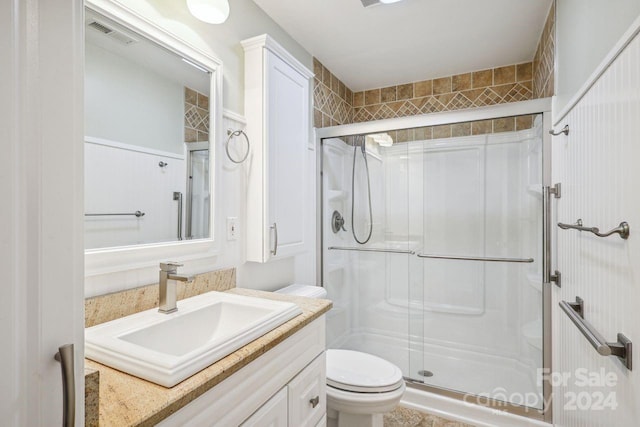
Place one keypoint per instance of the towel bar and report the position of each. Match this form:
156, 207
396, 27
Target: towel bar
622, 229
621, 349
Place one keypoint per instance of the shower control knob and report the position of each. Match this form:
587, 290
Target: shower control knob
163, 164
337, 222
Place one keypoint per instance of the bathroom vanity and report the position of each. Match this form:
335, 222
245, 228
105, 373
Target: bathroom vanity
278, 379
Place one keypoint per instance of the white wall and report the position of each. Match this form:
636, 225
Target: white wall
246, 20
124, 179
585, 32
129, 103
597, 164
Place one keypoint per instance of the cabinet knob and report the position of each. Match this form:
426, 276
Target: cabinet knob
314, 402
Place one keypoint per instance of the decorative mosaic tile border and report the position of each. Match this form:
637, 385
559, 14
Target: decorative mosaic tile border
476, 89
332, 99
543, 62
196, 116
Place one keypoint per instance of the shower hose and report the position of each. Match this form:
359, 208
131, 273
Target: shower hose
353, 174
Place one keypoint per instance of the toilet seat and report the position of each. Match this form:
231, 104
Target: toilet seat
354, 371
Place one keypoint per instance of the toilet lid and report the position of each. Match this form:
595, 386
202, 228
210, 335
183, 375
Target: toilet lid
361, 372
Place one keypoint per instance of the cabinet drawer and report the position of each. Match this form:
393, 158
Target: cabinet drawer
272, 414
307, 394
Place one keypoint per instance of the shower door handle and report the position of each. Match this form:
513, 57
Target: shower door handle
274, 227
547, 275
65, 357
178, 197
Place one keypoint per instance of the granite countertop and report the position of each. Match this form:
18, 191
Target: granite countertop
126, 400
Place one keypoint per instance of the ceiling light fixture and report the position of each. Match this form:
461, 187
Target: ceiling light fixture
210, 11
367, 3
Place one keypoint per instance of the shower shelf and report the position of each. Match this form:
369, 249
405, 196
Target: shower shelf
535, 189
535, 280
532, 333
333, 267
336, 195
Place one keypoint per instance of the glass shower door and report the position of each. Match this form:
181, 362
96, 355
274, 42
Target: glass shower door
479, 277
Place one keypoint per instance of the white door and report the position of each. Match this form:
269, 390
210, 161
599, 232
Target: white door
288, 139
41, 243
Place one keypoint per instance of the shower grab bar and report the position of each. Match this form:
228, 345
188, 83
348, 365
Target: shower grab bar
136, 214
622, 229
621, 349
476, 258
389, 251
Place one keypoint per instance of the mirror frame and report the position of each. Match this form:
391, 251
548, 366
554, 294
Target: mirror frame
122, 258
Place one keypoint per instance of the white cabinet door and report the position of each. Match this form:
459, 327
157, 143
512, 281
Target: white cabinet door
272, 414
307, 394
288, 139
278, 109
41, 245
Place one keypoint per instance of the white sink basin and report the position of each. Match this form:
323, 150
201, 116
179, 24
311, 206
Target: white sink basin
167, 348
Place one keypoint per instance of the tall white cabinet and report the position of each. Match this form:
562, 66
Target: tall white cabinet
278, 111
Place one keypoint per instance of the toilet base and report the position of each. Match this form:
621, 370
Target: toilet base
345, 419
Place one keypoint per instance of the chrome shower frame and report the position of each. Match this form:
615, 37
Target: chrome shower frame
537, 106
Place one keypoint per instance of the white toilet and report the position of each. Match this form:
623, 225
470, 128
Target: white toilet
360, 387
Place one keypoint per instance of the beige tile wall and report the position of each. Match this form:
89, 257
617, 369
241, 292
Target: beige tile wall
196, 116
475, 89
332, 99
543, 62
507, 124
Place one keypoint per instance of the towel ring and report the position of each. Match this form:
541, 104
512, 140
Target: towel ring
231, 134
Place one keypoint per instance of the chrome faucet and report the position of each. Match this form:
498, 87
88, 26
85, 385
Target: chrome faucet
168, 293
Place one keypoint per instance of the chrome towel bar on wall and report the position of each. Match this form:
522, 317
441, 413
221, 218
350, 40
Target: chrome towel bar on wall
621, 349
622, 229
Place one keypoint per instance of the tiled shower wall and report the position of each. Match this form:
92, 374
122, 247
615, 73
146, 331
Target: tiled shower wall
196, 116
543, 62
336, 104
477, 89
332, 99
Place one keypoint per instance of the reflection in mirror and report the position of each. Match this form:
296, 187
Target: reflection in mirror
147, 140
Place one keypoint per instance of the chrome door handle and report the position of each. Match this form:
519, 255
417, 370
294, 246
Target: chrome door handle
314, 402
274, 227
65, 357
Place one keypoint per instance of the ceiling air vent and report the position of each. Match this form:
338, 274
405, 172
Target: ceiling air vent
115, 34
100, 27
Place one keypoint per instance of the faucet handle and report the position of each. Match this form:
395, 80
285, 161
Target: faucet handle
170, 266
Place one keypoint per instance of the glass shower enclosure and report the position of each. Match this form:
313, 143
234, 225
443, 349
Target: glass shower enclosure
432, 249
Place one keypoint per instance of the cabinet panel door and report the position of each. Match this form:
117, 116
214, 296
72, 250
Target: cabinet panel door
272, 414
288, 138
307, 394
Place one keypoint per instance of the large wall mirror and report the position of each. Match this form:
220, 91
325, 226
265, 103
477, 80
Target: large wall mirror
151, 103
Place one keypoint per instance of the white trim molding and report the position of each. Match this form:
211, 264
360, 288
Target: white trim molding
131, 147
236, 117
266, 41
617, 49
534, 106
